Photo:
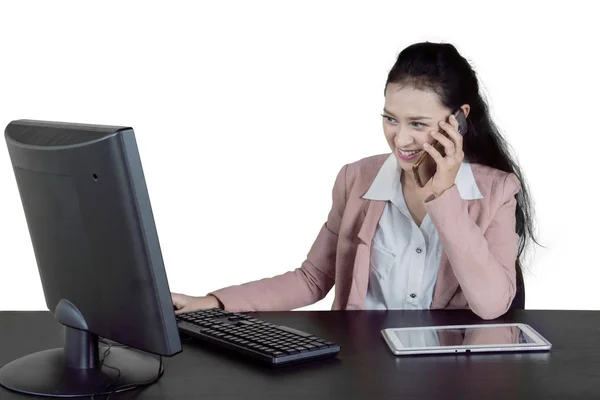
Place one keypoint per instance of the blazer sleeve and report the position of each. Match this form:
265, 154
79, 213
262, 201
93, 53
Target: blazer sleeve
303, 286
483, 262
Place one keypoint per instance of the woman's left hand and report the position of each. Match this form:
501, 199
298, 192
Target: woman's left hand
448, 166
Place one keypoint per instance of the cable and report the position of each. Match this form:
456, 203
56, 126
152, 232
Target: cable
129, 385
107, 352
141, 384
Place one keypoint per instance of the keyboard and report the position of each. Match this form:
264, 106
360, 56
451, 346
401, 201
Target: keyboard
275, 345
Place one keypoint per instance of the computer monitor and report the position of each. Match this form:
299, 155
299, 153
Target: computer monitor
97, 250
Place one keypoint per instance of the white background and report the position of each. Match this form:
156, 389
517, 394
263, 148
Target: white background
245, 111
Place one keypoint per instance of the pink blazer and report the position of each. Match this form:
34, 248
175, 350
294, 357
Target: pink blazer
477, 265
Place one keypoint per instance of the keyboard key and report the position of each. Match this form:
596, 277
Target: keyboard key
294, 331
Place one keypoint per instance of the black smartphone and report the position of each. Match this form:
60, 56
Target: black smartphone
424, 168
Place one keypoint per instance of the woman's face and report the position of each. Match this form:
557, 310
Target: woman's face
409, 117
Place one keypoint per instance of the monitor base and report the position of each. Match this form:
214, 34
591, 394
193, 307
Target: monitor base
46, 373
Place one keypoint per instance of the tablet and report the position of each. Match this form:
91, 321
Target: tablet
464, 339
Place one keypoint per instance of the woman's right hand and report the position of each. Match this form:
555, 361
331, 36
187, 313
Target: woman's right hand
184, 303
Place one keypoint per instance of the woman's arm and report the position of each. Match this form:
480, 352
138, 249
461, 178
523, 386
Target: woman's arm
303, 286
483, 263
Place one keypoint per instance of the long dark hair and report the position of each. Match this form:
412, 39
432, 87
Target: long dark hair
440, 68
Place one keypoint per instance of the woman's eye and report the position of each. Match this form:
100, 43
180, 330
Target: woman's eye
417, 124
390, 119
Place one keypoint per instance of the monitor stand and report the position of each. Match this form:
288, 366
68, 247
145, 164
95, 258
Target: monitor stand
75, 370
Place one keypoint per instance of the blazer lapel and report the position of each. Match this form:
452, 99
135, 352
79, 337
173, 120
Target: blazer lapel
373, 213
360, 273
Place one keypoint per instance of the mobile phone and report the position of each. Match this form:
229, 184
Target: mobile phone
424, 168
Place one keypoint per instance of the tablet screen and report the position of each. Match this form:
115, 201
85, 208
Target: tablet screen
477, 336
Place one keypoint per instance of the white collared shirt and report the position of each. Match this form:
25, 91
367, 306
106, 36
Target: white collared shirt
405, 257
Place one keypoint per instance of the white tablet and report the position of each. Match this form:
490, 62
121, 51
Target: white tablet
464, 339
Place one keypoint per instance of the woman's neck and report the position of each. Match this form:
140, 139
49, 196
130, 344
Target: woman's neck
409, 185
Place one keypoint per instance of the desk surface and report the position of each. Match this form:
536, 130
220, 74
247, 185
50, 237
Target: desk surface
365, 368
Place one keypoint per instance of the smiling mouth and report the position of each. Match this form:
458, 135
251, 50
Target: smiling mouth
409, 153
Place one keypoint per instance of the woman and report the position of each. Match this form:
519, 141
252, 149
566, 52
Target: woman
389, 243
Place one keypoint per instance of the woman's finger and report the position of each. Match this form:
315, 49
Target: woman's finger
452, 130
437, 157
449, 146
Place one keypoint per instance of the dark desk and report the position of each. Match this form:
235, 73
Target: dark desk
365, 369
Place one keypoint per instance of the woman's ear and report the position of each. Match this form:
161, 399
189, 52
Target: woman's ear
466, 108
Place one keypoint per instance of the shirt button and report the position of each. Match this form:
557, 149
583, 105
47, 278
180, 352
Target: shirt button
413, 295
419, 250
